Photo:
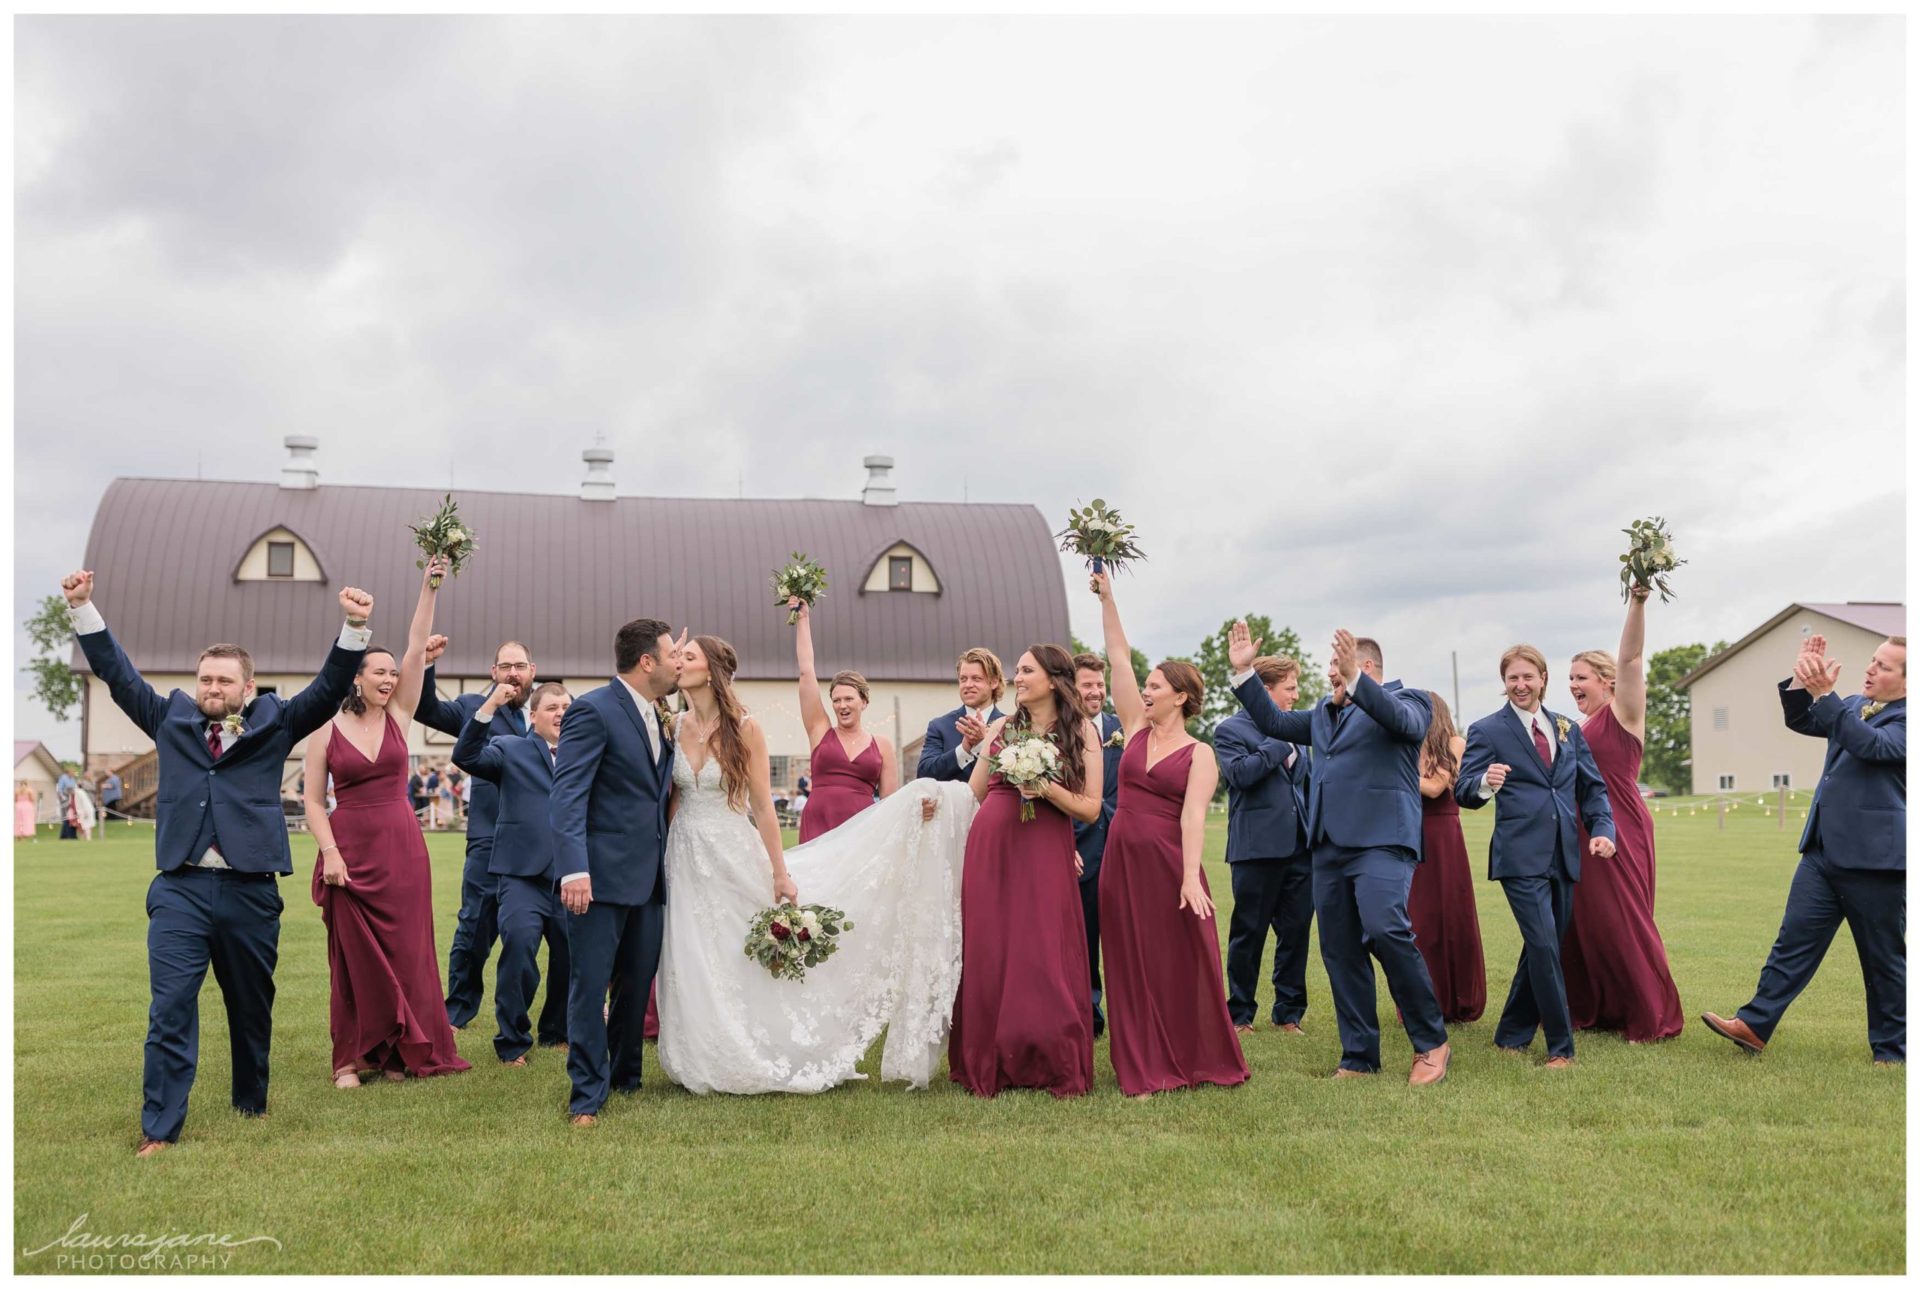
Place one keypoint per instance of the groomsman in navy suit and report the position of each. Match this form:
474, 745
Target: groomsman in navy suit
1363, 824
522, 863
1090, 840
1853, 850
1539, 764
220, 840
953, 740
1267, 854
478, 924
613, 777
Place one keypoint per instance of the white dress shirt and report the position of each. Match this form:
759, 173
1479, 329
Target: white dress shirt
1529, 721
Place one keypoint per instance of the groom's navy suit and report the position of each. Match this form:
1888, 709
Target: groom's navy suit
1090, 843
1535, 856
521, 865
1363, 823
609, 814
198, 916
478, 923
939, 751
1853, 867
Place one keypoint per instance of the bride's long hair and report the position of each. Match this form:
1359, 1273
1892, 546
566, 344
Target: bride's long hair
729, 745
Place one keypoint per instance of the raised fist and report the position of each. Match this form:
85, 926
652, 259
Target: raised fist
1497, 775
356, 602
504, 691
77, 587
436, 645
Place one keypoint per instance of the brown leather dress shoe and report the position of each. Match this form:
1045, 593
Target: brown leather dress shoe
518, 1060
1736, 1030
1243, 1029
1344, 1073
1559, 1062
583, 1120
1430, 1067
149, 1148
1290, 1028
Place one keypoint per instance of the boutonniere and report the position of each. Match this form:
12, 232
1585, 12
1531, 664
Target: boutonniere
1871, 710
1562, 724
1117, 739
665, 716
234, 724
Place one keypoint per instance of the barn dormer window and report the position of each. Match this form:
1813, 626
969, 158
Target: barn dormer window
279, 555
901, 568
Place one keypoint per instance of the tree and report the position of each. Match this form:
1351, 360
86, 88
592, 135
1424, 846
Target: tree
1668, 761
1214, 669
55, 684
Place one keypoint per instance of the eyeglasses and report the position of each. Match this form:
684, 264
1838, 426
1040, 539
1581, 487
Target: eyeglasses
513, 666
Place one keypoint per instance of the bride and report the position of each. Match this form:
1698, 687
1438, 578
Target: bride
726, 1025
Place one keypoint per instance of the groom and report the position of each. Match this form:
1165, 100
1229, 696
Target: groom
613, 775
220, 840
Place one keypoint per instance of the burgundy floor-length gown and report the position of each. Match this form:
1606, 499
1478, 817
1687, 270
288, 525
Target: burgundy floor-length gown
1446, 924
841, 788
1023, 1017
1167, 1019
1613, 957
387, 1011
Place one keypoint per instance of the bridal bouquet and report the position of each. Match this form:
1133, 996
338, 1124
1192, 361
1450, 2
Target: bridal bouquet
1028, 757
1101, 536
445, 535
786, 939
1649, 557
802, 579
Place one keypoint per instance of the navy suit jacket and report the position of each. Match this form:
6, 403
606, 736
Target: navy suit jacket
1090, 840
1540, 806
236, 800
1859, 813
450, 717
1365, 787
521, 771
609, 806
1266, 802
938, 751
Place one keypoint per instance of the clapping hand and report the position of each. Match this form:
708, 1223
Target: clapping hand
1497, 775
1817, 673
1346, 658
436, 645
77, 587
972, 729
357, 604
1242, 648
1600, 847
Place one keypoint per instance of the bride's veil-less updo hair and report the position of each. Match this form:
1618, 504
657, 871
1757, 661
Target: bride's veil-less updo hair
728, 742
1057, 663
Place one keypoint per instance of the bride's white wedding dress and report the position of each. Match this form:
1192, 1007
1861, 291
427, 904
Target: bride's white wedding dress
728, 1026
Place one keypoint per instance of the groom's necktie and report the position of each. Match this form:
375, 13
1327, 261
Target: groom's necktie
213, 742
1540, 744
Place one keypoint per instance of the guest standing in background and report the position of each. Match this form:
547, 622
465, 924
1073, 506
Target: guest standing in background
373, 879
1268, 860
953, 739
1168, 1006
1446, 924
110, 792
63, 798
1090, 839
26, 813
1021, 1018
1615, 962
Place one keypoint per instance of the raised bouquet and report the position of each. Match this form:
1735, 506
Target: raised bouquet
1101, 536
1027, 757
802, 579
787, 939
1649, 558
444, 534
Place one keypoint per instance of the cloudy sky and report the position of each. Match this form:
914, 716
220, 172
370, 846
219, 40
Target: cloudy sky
1390, 323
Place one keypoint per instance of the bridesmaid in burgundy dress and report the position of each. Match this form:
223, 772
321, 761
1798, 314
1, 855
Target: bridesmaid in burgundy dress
1613, 957
1023, 1017
843, 784
1166, 998
1446, 924
373, 881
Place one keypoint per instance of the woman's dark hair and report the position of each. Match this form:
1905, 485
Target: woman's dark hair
1436, 754
353, 702
1057, 663
1185, 680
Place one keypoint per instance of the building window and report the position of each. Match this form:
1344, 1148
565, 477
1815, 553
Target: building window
279, 559
266, 689
1726, 783
1719, 718
1783, 780
900, 573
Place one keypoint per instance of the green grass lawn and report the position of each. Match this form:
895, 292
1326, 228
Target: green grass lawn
1678, 1157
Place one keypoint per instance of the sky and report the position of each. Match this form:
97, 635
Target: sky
1388, 323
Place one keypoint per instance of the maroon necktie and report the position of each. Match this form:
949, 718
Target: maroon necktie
213, 741
1540, 744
